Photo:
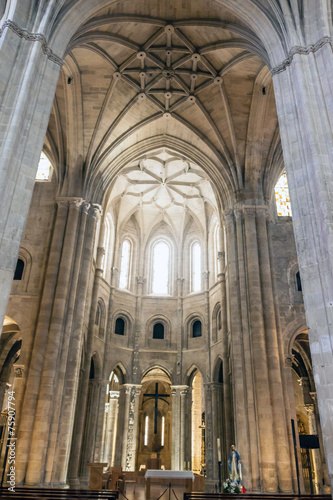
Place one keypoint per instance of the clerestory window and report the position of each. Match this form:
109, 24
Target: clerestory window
161, 264
196, 267
125, 264
282, 199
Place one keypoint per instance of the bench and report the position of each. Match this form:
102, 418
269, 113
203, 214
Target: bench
200, 495
57, 494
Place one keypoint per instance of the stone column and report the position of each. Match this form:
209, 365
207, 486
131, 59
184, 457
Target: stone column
209, 436
303, 94
98, 447
180, 334
259, 356
82, 302
184, 422
81, 407
122, 413
131, 424
218, 427
290, 386
235, 349
56, 418
88, 446
137, 327
27, 86
50, 373
111, 428
30, 399
178, 433
273, 357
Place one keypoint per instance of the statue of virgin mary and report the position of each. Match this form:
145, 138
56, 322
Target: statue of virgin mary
234, 463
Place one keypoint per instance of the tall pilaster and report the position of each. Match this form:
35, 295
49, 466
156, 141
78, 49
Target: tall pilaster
75, 349
259, 356
290, 387
27, 87
273, 356
131, 421
303, 94
81, 407
178, 434
52, 356
239, 390
180, 334
30, 399
111, 428
209, 435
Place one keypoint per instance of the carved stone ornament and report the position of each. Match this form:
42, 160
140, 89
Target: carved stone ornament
18, 369
302, 51
32, 37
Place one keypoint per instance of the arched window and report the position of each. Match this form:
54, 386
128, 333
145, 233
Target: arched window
298, 282
44, 170
282, 199
196, 267
19, 270
196, 329
161, 263
119, 328
125, 264
98, 314
216, 249
146, 431
158, 331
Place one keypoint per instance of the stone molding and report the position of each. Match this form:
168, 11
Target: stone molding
32, 37
302, 51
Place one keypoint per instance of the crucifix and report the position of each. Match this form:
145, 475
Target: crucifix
156, 396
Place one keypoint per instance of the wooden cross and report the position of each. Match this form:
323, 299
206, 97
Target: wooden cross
156, 396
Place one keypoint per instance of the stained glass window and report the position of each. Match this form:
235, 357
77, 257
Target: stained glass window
282, 199
125, 264
44, 171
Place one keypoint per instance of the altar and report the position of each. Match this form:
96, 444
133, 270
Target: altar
175, 477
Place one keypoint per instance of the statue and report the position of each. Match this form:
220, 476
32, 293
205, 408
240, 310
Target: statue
234, 462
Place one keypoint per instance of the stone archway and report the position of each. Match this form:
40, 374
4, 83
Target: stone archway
154, 434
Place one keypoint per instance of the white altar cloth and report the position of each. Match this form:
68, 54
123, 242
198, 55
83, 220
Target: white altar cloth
169, 474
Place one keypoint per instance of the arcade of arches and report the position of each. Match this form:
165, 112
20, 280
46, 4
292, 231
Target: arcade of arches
165, 293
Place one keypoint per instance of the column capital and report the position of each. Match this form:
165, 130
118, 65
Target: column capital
19, 370
114, 394
313, 396
132, 388
228, 217
181, 389
309, 408
69, 200
95, 211
289, 359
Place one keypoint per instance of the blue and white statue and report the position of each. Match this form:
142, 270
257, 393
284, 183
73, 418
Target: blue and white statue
235, 468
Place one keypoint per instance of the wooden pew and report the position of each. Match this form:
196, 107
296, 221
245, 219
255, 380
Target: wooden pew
200, 495
26, 493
